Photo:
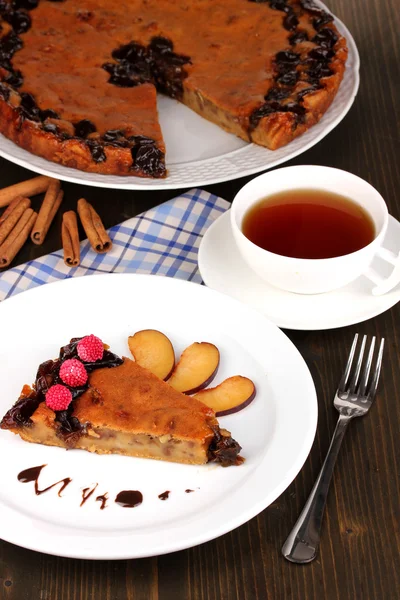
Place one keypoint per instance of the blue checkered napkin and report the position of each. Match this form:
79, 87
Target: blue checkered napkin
163, 241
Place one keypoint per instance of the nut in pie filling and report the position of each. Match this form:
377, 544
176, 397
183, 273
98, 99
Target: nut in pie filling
122, 409
78, 78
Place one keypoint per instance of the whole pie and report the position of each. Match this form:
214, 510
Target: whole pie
79, 78
105, 404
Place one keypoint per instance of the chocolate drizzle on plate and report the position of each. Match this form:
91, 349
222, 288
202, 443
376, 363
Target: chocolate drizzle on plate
129, 498
47, 375
164, 495
103, 499
86, 493
33, 474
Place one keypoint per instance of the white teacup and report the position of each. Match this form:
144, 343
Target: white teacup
314, 276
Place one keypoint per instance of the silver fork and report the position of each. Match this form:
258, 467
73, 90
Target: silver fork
353, 398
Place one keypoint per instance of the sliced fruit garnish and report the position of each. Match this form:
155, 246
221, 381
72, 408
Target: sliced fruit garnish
152, 350
196, 368
230, 396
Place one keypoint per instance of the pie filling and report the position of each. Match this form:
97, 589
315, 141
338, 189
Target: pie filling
296, 54
34, 421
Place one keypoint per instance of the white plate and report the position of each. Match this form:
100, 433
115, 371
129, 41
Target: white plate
223, 269
200, 153
276, 431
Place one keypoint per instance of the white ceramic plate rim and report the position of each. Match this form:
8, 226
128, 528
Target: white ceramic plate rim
335, 319
94, 545
225, 167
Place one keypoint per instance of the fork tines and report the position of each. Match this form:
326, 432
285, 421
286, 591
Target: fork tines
359, 382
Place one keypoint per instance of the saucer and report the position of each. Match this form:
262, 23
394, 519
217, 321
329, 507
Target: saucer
223, 269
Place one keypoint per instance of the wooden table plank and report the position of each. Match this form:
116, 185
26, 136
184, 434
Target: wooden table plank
359, 556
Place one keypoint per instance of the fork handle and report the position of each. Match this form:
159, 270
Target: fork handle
302, 543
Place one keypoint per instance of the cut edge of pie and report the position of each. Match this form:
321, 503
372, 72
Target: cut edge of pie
123, 409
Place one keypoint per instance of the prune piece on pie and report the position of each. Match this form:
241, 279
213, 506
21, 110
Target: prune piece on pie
298, 37
112, 135
48, 114
302, 93
4, 92
290, 78
84, 128
287, 57
50, 128
317, 71
115, 137
277, 93
263, 111
131, 52
297, 109
291, 21
96, 150
28, 107
140, 139
148, 159
161, 45
321, 54
10, 44
326, 38
322, 20
15, 79
277, 4
27, 4
19, 20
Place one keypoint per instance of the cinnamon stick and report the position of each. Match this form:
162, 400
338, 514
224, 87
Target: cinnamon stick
28, 188
17, 238
93, 226
13, 217
70, 239
9, 209
50, 205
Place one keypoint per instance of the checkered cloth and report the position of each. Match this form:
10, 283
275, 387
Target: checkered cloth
163, 241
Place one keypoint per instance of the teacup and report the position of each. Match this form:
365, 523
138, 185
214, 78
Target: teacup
315, 276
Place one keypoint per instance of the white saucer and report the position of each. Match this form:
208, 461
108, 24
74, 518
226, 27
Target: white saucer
223, 269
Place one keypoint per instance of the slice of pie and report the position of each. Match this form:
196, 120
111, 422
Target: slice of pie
108, 405
78, 78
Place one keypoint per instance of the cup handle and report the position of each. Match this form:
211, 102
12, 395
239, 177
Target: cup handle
385, 284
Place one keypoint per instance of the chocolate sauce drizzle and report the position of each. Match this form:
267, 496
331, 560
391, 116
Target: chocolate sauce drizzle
290, 67
164, 495
86, 493
69, 427
129, 498
103, 499
33, 474
125, 499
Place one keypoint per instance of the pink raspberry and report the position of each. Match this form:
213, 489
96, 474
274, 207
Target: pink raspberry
73, 373
90, 348
58, 397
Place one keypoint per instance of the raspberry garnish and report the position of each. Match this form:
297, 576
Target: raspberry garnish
73, 373
58, 397
90, 348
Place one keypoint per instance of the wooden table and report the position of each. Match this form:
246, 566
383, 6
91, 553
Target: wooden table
359, 555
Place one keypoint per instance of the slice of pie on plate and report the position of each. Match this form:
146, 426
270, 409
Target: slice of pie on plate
91, 399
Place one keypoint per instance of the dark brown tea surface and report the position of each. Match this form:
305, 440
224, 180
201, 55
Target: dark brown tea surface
308, 224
